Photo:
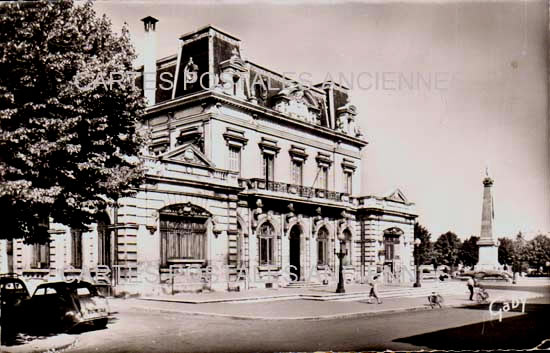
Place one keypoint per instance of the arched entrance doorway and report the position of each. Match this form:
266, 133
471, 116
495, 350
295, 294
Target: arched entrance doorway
295, 235
391, 243
347, 247
183, 234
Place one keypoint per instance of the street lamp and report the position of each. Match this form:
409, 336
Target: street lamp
417, 242
548, 267
343, 252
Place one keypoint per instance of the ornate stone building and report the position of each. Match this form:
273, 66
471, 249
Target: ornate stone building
252, 177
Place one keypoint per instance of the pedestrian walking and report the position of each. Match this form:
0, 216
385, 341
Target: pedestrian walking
471, 284
373, 283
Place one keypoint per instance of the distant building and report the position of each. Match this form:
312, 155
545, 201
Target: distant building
251, 179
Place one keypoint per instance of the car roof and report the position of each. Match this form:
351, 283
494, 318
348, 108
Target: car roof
6, 279
63, 284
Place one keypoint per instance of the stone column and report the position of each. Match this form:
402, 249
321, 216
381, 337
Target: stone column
488, 248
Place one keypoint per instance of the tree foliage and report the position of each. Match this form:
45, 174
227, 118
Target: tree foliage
65, 152
522, 254
445, 249
423, 251
537, 251
468, 254
506, 251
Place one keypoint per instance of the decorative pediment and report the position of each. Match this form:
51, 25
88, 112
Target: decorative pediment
186, 210
298, 102
393, 232
187, 153
397, 196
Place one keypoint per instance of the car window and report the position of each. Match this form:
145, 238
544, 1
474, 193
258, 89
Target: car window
82, 291
45, 291
40, 291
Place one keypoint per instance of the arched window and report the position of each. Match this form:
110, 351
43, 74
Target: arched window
183, 229
322, 246
347, 245
266, 237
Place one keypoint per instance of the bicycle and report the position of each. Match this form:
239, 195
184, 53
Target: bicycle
435, 299
482, 296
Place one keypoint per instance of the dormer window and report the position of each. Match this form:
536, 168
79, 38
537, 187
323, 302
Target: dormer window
232, 73
299, 103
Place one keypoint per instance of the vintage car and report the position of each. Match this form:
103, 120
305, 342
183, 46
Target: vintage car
13, 290
13, 295
487, 275
63, 306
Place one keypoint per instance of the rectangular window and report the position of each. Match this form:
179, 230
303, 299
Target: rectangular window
268, 169
297, 172
348, 186
235, 158
323, 178
182, 239
41, 256
266, 251
76, 248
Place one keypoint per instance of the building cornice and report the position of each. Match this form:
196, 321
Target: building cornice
254, 109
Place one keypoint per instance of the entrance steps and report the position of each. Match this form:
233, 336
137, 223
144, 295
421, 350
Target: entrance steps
401, 292
304, 284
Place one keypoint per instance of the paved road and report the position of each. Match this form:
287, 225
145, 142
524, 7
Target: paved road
149, 331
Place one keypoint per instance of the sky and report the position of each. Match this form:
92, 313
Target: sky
443, 90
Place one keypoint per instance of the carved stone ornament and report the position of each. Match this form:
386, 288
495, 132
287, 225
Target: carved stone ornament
186, 210
191, 71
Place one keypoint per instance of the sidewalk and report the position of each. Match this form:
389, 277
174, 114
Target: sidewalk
42, 344
303, 309
314, 293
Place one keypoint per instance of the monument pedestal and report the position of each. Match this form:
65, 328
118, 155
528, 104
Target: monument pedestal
488, 258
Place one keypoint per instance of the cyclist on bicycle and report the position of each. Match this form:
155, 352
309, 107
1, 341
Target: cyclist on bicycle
435, 299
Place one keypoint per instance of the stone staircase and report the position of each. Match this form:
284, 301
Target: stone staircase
303, 284
396, 292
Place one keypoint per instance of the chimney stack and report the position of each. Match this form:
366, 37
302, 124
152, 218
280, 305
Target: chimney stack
150, 60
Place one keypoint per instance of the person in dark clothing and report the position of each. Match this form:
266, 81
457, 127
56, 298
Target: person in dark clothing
471, 284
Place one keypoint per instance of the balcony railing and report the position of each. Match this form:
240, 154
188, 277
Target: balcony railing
298, 190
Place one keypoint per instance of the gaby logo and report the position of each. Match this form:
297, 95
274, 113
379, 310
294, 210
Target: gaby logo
507, 306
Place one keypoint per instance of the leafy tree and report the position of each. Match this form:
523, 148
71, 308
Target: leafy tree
66, 151
468, 253
506, 251
424, 250
445, 249
537, 251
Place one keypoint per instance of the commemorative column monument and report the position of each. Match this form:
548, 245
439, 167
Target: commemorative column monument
488, 245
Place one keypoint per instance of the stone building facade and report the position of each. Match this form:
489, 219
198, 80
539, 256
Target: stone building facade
252, 181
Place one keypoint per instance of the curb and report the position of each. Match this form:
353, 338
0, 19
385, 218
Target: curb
303, 318
312, 318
